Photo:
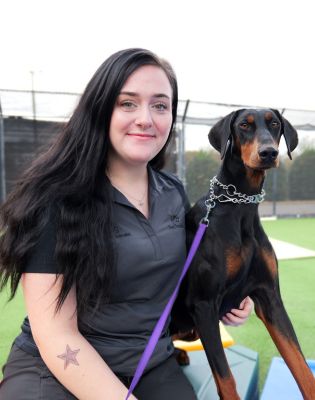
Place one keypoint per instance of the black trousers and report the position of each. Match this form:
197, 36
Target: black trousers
26, 377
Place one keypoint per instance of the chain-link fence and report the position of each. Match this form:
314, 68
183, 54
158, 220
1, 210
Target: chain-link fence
29, 120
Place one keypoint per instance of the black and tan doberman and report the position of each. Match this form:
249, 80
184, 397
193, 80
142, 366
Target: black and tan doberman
235, 258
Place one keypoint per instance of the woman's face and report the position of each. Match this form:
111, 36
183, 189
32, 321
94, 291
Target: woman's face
142, 117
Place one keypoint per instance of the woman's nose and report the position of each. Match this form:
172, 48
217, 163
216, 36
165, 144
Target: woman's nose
144, 118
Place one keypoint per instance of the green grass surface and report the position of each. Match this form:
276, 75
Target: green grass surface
297, 281
300, 231
11, 317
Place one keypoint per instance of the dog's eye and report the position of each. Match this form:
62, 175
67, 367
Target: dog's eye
275, 124
244, 125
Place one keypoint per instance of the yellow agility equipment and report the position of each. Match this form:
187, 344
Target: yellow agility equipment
226, 338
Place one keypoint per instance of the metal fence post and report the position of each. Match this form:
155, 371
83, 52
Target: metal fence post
274, 192
181, 148
34, 110
2, 158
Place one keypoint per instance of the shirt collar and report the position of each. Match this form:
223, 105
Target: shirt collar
155, 182
155, 186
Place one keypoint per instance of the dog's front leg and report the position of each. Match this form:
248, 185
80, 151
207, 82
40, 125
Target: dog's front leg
270, 309
206, 318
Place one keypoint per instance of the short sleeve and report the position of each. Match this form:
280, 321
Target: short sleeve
42, 258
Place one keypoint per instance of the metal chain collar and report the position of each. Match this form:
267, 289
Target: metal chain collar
239, 198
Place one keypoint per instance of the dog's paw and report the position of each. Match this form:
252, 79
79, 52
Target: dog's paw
181, 357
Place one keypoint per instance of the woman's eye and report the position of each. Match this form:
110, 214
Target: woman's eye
160, 106
127, 104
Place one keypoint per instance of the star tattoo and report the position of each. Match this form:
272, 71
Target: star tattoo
69, 356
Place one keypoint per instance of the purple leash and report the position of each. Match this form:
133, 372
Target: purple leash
146, 355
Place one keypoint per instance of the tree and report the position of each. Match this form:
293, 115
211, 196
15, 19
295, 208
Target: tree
302, 176
276, 182
200, 167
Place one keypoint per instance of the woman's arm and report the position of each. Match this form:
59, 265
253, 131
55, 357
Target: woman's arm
67, 354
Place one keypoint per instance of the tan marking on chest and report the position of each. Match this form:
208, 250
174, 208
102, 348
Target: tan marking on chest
255, 177
234, 259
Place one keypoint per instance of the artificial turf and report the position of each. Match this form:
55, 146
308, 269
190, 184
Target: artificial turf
298, 231
11, 317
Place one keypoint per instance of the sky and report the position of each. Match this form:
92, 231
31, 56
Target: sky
244, 52
252, 52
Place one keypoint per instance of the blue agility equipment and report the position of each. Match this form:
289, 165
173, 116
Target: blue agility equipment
280, 384
243, 363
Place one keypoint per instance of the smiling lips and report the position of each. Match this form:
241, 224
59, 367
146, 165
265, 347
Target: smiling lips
141, 135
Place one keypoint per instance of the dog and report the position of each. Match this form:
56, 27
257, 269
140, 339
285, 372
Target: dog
235, 258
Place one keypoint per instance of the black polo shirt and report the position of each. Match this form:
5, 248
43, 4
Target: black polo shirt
150, 256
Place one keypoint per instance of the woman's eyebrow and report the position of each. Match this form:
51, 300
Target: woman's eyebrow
135, 94
162, 95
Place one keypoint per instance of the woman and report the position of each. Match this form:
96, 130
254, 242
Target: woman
95, 232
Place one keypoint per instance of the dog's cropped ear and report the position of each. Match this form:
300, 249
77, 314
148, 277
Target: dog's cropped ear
289, 133
221, 132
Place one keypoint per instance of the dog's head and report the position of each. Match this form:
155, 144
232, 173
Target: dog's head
254, 135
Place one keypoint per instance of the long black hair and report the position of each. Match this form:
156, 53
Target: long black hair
68, 183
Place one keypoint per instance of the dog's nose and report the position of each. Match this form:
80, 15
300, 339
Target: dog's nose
268, 153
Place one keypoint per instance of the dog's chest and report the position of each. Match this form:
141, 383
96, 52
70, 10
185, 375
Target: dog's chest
238, 258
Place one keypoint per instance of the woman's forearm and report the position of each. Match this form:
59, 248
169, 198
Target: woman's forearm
78, 366
67, 354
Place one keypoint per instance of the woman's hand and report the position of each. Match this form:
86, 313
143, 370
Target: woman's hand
238, 316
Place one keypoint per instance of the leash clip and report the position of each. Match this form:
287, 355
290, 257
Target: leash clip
210, 204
